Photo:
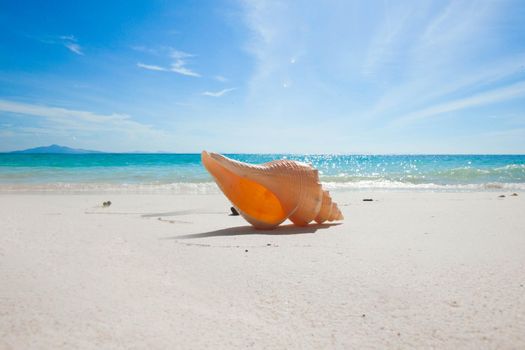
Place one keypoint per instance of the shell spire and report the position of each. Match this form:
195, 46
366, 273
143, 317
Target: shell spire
268, 194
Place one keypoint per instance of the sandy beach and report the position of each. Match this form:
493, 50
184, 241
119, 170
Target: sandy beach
407, 270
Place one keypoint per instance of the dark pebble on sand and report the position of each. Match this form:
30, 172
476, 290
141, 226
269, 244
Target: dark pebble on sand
514, 194
501, 196
368, 200
268, 244
246, 250
363, 315
234, 211
106, 204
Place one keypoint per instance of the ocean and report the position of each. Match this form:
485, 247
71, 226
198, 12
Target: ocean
184, 173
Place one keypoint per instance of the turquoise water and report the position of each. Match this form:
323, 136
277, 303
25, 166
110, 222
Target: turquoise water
185, 172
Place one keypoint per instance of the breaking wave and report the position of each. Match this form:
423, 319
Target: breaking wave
211, 188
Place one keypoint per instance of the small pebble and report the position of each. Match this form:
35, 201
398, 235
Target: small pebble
368, 200
363, 315
246, 250
514, 194
268, 244
501, 196
106, 204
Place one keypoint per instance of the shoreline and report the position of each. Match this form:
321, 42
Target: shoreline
188, 188
426, 269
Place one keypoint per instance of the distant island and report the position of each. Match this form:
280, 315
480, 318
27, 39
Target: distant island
55, 149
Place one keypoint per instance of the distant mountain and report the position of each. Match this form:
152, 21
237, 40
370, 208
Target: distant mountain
56, 149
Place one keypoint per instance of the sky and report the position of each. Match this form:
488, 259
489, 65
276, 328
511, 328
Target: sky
264, 76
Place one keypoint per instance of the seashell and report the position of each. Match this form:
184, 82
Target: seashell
268, 194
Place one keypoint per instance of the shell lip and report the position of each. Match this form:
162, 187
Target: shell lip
227, 163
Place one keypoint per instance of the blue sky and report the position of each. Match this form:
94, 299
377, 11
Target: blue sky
264, 76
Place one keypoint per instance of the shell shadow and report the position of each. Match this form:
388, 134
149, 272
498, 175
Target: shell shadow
249, 230
182, 212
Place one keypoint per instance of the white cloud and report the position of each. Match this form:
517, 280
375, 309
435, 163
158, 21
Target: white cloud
145, 49
220, 78
68, 41
218, 93
68, 37
151, 67
71, 43
73, 47
180, 54
179, 67
179, 64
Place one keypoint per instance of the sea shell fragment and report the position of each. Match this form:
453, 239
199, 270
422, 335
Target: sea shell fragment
268, 194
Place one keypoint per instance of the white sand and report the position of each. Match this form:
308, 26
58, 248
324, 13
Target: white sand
409, 270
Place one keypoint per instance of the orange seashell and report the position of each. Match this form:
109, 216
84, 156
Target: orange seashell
267, 194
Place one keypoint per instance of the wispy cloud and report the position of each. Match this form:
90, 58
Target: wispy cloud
178, 67
220, 78
67, 37
71, 43
73, 47
78, 120
178, 64
387, 44
434, 87
451, 27
490, 97
396, 64
151, 67
218, 93
68, 41
144, 49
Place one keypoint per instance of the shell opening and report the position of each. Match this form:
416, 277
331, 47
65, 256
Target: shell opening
257, 203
